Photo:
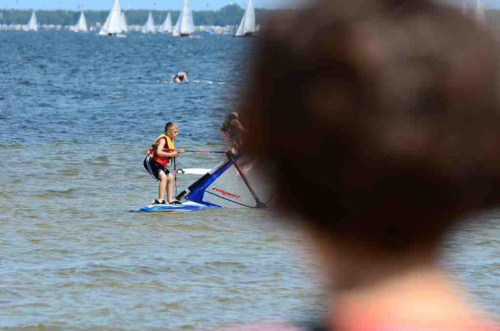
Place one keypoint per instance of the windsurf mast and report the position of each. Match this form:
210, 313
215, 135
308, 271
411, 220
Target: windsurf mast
260, 204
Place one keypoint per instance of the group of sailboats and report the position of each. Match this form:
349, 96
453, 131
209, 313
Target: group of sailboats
150, 26
118, 27
116, 23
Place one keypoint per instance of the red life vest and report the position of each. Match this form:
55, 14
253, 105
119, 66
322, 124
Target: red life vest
169, 147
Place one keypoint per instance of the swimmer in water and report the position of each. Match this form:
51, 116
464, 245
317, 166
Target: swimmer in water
180, 77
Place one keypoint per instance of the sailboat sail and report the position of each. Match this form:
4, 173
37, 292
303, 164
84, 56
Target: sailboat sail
187, 26
81, 26
149, 27
113, 24
480, 14
225, 187
177, 28
32, 24
185, 22
167, 25
105, 27
247, 25
124, 23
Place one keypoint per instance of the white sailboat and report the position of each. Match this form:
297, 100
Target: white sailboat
149, 27
81, 26
480, 13
247, 25
185, 23
32, 24
113, 25
167, 25
123, 22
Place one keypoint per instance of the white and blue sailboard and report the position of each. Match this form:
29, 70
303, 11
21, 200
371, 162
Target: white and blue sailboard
225, 187
187, 205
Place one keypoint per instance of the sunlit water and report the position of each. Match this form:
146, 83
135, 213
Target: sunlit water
77, 113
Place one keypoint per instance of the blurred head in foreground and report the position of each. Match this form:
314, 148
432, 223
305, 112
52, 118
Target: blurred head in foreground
383, 119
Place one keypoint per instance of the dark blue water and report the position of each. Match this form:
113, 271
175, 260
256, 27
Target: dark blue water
62, 86
77, 113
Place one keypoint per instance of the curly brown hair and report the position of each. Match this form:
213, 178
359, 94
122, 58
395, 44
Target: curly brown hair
381, 116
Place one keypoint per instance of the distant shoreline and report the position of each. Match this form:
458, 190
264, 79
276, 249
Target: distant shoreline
228, 15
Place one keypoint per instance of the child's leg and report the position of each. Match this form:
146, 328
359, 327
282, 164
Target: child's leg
170, 187
163, 185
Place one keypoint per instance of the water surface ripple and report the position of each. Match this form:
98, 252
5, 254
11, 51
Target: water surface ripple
77, 113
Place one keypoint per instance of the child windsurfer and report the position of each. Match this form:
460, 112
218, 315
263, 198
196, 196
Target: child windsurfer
159, 157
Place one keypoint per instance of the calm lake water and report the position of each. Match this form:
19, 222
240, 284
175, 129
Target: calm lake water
77, 113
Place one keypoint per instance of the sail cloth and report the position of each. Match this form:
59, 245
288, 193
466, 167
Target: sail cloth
81, 26
149, 27
124, 22
32, 24
113, 24
247, 25
167, 25
225, 187
185, 22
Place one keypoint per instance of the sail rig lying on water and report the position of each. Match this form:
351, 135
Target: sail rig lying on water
238, 182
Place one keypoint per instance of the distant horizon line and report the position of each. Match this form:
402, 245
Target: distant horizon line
123, 9
76, 8
93, 9
496, 7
